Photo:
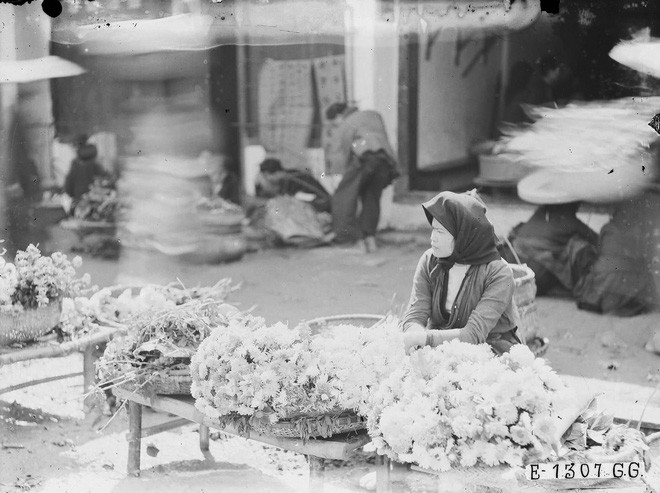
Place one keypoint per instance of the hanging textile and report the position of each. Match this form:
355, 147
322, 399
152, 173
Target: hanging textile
286, 109
331, 88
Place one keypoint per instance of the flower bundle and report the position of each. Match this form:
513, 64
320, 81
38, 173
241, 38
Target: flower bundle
361, 358
82, 315
161, 341
34, 280
459, 405
253, 370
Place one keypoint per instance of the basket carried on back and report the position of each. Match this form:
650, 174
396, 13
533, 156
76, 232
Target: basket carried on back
28, 324
524, 298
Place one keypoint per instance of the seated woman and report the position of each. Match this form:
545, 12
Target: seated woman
556, 245
462, 289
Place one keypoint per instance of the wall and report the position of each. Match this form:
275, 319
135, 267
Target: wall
457, 81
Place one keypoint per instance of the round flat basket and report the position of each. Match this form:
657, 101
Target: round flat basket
28, 324
360, 320
322, 426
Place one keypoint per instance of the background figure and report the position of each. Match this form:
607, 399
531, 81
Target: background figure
274, 180
367, 160
224, 182
559, 86
518, 91
24, 191
84, 170
556, 245
621, 281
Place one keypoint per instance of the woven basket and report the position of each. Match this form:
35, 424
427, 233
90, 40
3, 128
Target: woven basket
29, 324
168, 382
360, 320
524, 299
341, 423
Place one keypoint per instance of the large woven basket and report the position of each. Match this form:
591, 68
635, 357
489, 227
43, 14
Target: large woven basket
524, 298
315, 426
360, 320
29, 324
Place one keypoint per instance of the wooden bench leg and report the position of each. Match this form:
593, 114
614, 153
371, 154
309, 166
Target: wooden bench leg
89, 377
203, 438
316, 473
134, 437
383, 474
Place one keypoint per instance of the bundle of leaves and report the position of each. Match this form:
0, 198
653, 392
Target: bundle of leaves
100, 203
162, 340
594, 437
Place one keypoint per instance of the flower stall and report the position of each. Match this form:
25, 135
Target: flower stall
456, 411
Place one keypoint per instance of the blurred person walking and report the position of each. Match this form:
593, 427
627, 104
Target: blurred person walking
363, 153
84, 170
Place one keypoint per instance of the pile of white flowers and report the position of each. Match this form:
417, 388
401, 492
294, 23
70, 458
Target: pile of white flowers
34, 280
459, 405
361, 358
251, 369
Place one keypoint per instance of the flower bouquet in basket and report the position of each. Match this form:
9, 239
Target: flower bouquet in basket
154, 357
460, 406
270, 379
31, 293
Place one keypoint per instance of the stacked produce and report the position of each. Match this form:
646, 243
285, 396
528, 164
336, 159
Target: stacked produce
159, 346
593, 136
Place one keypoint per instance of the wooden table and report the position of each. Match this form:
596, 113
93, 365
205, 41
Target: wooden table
86, 345
316, 450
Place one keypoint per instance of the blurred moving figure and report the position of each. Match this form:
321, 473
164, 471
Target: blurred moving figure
274, 180
368, 165
556, 245
84, 170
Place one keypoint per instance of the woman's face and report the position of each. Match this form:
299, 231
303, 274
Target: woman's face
442, 242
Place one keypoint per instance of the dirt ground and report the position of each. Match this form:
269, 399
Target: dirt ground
58, 449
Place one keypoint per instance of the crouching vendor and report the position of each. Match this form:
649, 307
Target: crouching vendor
462, 288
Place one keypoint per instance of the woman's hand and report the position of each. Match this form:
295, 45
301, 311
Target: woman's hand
413, 340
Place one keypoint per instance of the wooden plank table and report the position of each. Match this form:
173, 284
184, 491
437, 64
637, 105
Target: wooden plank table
316, 450
86, 345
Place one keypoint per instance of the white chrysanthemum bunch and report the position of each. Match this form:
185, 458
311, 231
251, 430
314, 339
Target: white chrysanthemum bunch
361, 358
252, 369
35, 280
459, 405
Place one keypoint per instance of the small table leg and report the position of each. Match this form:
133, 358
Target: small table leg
89, 377
134, 437
203, 438
382, 474
316, 473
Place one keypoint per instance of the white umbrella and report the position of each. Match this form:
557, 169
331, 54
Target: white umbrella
640, 55
48, 67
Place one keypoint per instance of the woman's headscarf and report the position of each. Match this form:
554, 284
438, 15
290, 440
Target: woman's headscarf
464, 216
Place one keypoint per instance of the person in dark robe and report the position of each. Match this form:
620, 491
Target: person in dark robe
85, 169
556, 245
274, 180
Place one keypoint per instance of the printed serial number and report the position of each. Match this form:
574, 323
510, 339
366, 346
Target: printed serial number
577, 470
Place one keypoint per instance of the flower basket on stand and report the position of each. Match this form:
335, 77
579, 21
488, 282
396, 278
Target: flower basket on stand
28, 324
